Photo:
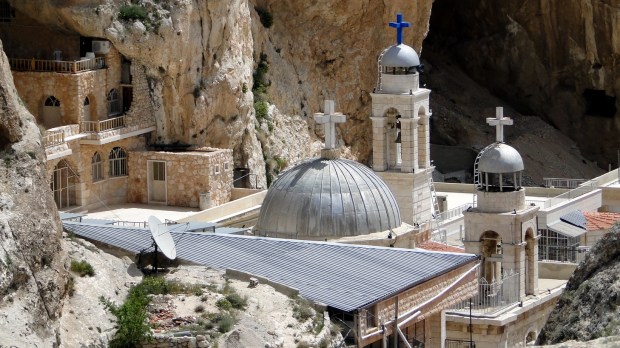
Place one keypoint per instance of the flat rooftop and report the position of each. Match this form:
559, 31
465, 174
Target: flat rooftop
140, 212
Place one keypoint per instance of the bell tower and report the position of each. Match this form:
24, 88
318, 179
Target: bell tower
401, 134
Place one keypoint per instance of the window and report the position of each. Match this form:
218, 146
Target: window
370, 317
114, 103
97, 167
5, 12
118, 162
226, 166
52, 101
159, 171
86, 101
217, 169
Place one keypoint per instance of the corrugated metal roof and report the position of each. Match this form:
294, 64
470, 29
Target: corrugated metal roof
230, 230
575, 218
566, 229
342, 276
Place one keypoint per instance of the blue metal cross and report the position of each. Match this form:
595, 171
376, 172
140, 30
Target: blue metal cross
399, 25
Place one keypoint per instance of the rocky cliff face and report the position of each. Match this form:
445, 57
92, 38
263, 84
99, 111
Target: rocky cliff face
200, 58
32, 269
554, 59
589, 307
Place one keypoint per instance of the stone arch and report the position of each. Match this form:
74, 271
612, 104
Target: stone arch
89, 108
530, 336
52, 112
490, 244
392, 149
117, 162
63, 182
421, 111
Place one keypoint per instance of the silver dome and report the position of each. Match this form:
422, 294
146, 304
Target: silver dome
326, 198
400, 56
500, 158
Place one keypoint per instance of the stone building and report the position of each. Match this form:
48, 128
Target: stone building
94, 108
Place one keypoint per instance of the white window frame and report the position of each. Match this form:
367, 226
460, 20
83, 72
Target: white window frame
226, 166
217, 169
114, 103
118, 163
97, 167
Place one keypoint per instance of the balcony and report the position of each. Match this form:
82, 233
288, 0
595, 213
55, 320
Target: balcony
103, 126
54, 138
58, 66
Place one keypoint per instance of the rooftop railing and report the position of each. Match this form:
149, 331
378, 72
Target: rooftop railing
563, 182
59, 66
102, 126
54, 138
492, 297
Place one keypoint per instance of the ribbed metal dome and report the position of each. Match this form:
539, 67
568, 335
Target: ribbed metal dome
326, 198
400, 56
500, 158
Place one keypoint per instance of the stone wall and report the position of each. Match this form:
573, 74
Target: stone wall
141, 111
500, 202
110, 190
188, 174
412, 193
175, 342
27, 39
70, 89
416, 298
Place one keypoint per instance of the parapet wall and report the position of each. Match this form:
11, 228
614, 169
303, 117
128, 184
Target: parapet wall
500, 202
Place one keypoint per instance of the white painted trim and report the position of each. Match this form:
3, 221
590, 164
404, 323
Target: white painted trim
117, 137
149, 172
76, 137
59, 155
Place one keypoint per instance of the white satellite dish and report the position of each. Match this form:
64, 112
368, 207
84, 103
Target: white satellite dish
162, 238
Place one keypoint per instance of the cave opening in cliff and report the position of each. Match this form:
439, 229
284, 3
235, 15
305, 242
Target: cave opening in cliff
599, 104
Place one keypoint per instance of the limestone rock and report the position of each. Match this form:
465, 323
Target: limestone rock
32, 262
588, 309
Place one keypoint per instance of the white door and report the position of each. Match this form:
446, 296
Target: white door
157, 181
51, 113
86, 109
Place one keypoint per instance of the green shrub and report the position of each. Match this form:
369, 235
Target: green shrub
71, 287
208, 325
225, 324
261, 109
199, 309
131, 318
204, 298
244, 88
266, 19
32, 154
236, 301
132, 12
82, 268
223, 304
161, 286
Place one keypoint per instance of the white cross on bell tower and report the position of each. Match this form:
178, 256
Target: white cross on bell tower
328, 118
499, 121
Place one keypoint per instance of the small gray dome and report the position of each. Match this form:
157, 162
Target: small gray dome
400, 56
500, 158
326, 198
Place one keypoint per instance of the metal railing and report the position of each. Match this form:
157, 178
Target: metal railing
460, 344
53, 138
59, 66
584, 188
141, 224
563, 182
455, 212
492, 297
102, 126
564, 254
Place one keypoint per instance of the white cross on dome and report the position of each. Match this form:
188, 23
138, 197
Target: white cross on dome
329, 118
499, 121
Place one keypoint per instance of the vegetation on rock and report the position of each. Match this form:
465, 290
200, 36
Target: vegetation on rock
132, 12
266, 19
83, 268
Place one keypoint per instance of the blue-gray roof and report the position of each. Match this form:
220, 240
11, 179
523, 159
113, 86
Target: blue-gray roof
342, 276
98, 221
575, 218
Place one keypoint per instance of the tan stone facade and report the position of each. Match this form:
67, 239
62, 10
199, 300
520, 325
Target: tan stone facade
430, 298
187, 175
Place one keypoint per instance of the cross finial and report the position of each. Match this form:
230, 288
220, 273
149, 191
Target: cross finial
399, 25
329, 118
499, 121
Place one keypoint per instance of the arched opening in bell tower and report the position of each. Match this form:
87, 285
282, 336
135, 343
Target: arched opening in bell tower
393, 146
491, 251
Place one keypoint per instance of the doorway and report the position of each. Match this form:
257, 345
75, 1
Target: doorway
51, 113
157, 182
86, 109
127, 98
62, 185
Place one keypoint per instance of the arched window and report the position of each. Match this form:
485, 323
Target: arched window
86, 101
52, 101
97, 167
114, 103
118, 162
